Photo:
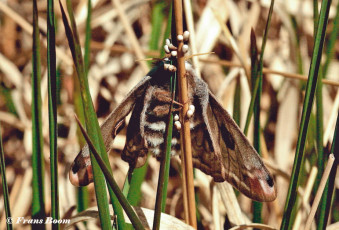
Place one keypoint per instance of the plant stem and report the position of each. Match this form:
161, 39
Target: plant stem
186, 154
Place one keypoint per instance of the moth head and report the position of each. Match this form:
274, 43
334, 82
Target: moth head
159, 73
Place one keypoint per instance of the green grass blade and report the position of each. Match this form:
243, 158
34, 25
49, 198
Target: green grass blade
164, 165
116, 206
135, 177
307, 107
257, 206
52, 112
4, 184
257, 75
167, 31
134, 192
157, 24
82, 192
90, 117
108, 175
236, 103
328, 194
321, 159
133, 183
38, 165
260, 65
8, 99
331, 42
297, 47
88, 37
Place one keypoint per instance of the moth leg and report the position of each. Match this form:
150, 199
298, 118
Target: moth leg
165, 97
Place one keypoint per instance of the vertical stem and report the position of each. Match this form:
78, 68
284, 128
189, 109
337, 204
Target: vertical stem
38, 200
52, 111
4, 184
186, 154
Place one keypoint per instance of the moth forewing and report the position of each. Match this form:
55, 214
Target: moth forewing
81, 169
243, 167
222, 150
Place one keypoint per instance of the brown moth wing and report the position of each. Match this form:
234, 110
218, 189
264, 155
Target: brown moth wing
136, 149
221, 150
81, 170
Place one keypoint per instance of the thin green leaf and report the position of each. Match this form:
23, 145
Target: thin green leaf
8, 99
52, 112
4, 184
257, 206
90, 117
88, 37
330, 45
135, 181
236, 103
167, 31
108, 175
321, 159
307, 107
136, 177
157, 24
82, 192
164, 165
260, 67
38, 166
297, 46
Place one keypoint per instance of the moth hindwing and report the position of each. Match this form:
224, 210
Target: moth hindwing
219, 148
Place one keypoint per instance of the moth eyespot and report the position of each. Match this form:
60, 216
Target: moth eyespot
174, 53
192, 107
177, 125
166, 49
190, 113
185, 48
180, 37
168, 42
176, 117
186, 35
269, 181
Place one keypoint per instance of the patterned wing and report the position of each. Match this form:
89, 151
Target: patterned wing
81, 169
222, 150
135, 150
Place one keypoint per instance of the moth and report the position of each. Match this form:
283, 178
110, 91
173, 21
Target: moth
219, 148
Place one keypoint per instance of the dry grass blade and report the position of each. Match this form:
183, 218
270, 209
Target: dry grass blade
131, 34
190, 25
232, 42
306, 197
254, 225
29, 29
320, 191
231, 204
269, 71
146, 215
